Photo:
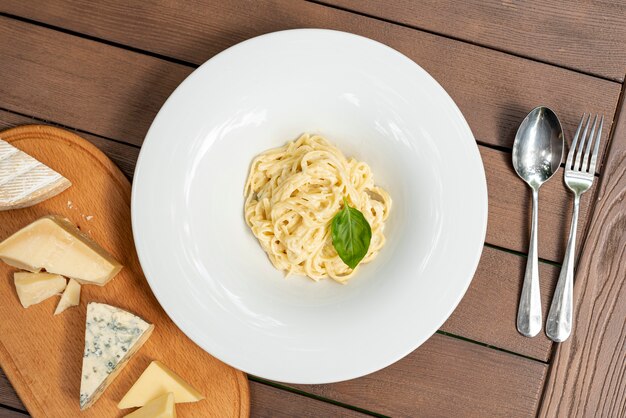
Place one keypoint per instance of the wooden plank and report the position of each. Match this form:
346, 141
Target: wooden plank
8, 396
488, 311
75, 82
588, 375
8, 413
446, 377
586, 36
267, 401
125, 156
494, 90
115, 93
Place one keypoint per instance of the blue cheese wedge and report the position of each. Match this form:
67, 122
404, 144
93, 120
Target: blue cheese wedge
112, 337
24, 181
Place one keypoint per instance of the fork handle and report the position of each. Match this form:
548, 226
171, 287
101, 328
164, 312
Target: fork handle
529, 311
559, 323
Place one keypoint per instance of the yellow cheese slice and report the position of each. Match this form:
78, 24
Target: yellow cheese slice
161, 407
70, 297
155, 381
24, 181
112, 337
33, 288
55, 244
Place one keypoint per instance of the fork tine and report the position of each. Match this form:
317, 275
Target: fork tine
589, 144
572, 148
596, 148
579, 152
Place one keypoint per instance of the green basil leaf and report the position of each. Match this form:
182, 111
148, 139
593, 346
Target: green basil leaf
351, 235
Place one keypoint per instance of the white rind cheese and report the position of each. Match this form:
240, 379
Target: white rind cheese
24, 181
70, 297
33, 288
112, 336
55, 244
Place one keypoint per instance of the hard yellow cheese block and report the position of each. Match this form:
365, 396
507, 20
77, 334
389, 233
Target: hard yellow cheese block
161, 407
33, 288
70, 297
156, 381
55, 244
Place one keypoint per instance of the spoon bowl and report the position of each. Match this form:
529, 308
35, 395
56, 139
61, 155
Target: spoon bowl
538, 146
537, 154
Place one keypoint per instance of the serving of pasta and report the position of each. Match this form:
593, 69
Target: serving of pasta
292, 195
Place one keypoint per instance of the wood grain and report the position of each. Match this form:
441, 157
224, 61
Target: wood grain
586, 36
588, 375
8, 396
123, 155
488, 311
446, 377
41, 354
7, 413
269, 402
122, 91
101, 89
75, 82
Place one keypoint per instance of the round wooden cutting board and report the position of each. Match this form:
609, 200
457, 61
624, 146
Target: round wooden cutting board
42, 353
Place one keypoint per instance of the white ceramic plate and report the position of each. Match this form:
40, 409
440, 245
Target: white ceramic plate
207, 269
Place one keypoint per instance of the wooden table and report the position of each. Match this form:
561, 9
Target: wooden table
103, 68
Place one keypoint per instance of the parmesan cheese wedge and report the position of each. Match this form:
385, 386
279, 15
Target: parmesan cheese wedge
70, 297
161, 407
33, 288
24, 181
55, 244
155, 381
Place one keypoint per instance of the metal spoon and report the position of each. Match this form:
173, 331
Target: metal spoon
537, 154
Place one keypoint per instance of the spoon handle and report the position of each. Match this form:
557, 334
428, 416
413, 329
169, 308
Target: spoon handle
529, 312
559, 323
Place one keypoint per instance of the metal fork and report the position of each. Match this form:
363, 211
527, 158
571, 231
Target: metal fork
579, 173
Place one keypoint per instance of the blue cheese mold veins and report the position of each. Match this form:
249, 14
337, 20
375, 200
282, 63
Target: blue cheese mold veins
112, 336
